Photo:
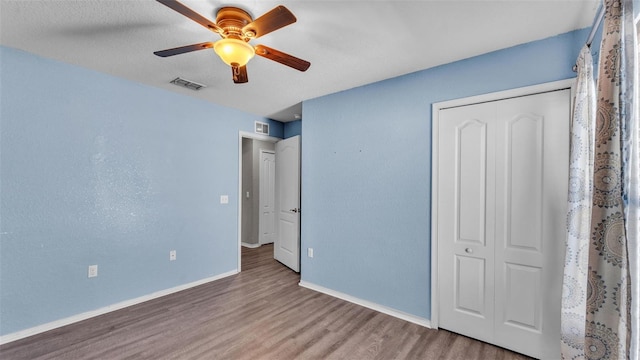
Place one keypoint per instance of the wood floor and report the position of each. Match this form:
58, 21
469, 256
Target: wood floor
260, 313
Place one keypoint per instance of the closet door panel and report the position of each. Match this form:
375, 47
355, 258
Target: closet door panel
470, 287
465, 209
523, 308
531, 183
521, 167
470, 186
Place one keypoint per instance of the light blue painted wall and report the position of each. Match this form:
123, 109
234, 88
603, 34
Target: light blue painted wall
292, 128
98, 170
366, 187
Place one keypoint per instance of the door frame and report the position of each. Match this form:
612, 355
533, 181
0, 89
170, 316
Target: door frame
252, 136
435, 111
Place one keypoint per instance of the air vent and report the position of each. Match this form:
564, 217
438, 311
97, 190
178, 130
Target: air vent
262, 128
187, 84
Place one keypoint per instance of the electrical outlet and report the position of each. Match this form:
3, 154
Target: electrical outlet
93, 271
224, 199
172, 255
310, 252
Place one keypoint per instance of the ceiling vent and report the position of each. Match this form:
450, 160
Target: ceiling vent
262, 128
187, 84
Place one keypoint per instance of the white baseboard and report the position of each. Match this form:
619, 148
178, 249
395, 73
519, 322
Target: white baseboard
368, 304
250, 246
89, 314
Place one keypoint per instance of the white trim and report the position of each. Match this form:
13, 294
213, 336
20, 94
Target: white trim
107, 309
250, 246
368, 304
506, 94
435, 111
247, 135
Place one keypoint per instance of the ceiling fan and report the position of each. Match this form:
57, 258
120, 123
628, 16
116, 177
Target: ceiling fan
237, 28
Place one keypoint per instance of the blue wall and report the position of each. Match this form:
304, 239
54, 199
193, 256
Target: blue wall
366, 188
99, 170
292, 128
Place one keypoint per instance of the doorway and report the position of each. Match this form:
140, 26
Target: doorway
249, 154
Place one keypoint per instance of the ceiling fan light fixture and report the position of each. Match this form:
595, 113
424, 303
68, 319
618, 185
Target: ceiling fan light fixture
234, 51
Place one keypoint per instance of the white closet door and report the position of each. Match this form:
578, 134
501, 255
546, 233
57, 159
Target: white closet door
532, 175
465, 229
502, 190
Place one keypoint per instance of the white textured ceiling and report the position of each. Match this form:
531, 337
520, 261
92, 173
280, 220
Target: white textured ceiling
349, 43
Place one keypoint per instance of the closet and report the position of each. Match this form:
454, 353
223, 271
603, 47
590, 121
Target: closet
501, 177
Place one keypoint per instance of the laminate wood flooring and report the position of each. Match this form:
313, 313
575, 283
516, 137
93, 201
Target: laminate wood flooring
260, 313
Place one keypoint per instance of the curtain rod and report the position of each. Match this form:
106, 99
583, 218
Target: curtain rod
594, 29
595, 26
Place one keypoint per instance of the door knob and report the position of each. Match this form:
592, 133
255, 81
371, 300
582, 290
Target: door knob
468, 250
294, 210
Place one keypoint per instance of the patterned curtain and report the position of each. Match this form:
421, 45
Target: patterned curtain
579, 210
631, 165
608, 258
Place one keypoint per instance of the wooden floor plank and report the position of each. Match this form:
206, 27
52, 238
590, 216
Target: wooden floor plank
260, 313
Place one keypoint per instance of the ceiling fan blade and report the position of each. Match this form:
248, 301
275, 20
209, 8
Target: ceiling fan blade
282, 58
182, 9
239, 74
184, 49
275, 19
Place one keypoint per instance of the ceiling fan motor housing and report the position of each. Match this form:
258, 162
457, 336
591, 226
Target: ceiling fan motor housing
232, 20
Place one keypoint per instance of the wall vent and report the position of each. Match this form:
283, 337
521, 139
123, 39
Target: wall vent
187, 84
262, 128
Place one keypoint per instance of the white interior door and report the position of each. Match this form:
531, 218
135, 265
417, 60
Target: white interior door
267, 201
466, 225
503, 177
287, 240
531, 203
